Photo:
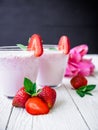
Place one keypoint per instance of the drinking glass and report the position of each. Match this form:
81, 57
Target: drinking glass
16, 64
52, 65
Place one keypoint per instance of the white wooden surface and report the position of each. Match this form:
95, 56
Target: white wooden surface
70, 112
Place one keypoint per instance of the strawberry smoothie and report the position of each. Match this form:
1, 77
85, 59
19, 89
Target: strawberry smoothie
16, 64
52, 66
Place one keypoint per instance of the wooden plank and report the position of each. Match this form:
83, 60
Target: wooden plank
64, 115
88, 105
5, 110
20, 120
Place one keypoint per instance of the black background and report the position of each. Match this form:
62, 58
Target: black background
19, 19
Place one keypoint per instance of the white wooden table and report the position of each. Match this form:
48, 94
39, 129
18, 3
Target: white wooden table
70, 112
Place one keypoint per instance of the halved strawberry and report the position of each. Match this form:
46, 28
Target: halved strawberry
36, 106
64, 44
35, 44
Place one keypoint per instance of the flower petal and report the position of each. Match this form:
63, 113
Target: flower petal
81, 49
86, 67
76, 63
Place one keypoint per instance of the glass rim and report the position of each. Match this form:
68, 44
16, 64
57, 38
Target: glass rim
16, 48
9, 48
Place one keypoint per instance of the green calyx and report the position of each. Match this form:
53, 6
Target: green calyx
30, 87
82, 91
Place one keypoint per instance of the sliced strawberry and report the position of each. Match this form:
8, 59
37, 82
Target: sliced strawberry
64, 44
36, 106
20, 98
35, 44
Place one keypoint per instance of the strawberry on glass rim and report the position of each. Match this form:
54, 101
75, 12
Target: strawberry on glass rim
35, 44
64, 44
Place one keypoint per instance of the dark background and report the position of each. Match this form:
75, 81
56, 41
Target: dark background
77, 19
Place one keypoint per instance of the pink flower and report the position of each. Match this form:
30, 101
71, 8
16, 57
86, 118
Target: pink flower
76, 63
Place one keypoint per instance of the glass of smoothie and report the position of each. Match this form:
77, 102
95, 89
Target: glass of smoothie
16, 64
52, 65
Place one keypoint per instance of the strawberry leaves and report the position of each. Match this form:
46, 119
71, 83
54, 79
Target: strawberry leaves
82, 91
30, 87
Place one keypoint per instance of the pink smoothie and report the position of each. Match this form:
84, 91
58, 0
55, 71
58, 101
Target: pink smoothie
52, 65
14, 66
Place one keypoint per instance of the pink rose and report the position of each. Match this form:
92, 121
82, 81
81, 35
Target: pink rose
76, 63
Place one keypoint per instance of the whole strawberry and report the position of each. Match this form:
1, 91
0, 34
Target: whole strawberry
48, 94
78, 81
20, 98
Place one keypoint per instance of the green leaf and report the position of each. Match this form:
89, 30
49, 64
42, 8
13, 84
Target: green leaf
80, 93
83, 88
39, 90
52, 48
90, 87
87, 88
21, 46
34, 87
89, 93
29, 86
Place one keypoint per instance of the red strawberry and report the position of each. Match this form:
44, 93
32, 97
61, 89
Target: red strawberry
48, 94
36, 106
78, 81
35, 44
64, 44
20, 98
